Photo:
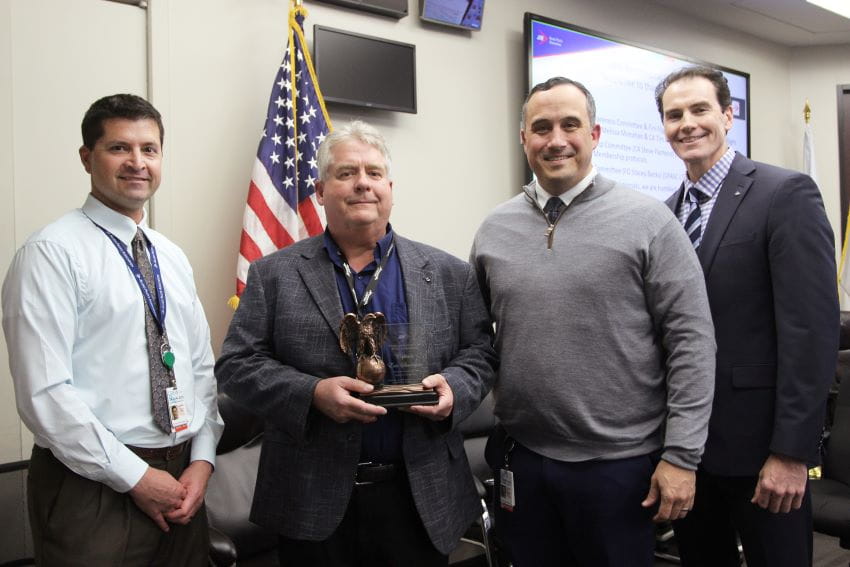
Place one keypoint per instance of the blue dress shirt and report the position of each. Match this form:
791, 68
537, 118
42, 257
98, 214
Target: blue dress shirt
381, 439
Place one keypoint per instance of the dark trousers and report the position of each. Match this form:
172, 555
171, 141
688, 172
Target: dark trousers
584, 514
381, 528
79, 522
722, 509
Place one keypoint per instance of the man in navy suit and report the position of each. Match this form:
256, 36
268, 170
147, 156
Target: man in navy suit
346, 482
768, 255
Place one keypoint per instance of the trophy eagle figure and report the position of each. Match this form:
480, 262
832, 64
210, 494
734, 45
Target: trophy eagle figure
363, 338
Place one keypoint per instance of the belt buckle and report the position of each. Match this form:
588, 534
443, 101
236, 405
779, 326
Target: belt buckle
375, 473
357, 473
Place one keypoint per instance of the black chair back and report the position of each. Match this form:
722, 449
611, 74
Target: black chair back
240, 425
476, 429
836, 462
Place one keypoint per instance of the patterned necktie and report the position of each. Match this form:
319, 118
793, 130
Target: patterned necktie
693, 224
553, 209
160, 375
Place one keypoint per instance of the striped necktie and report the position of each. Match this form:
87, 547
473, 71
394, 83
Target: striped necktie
693, 224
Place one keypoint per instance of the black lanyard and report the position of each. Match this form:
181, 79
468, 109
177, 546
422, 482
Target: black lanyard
359, 305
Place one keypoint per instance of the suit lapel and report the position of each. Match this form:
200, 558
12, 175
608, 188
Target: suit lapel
732, 193
418, 282
317, 273
674, 199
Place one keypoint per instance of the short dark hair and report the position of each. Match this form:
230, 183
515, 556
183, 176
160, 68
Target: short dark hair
127, 106
721, 86
551, 84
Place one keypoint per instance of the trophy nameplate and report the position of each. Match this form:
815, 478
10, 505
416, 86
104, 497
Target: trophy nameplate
401, 395
363, 339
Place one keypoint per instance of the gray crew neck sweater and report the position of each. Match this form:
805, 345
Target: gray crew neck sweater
606, 341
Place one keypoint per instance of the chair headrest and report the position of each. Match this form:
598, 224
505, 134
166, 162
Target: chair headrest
240, 425
481, 421
844, 336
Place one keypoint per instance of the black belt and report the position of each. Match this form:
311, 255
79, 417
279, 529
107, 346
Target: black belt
370, 473
160, 453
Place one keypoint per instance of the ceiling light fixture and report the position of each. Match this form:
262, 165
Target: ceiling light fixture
840, 7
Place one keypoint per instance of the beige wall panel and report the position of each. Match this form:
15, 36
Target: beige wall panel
816, 73
10, 426
58, 56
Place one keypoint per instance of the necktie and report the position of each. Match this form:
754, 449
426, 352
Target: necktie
693, 224
553, 209
160, 375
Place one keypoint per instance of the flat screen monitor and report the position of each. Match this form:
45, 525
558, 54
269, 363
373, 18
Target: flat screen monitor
395, 8
464, 14
361, 70
622, 77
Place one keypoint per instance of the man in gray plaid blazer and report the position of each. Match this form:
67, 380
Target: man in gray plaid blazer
343, 481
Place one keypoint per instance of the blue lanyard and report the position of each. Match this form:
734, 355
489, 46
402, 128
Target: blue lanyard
158, 315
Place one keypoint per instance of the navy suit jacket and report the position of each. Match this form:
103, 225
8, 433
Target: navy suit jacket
768, 256
284, 338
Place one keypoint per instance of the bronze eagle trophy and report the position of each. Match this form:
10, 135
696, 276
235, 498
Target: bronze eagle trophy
363, 338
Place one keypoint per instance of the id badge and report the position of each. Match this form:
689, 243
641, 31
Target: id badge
177, 410
507, 497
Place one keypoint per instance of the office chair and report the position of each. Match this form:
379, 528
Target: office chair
231, 489
831, 493
477, 542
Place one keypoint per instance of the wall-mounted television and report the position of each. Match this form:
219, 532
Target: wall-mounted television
464, 14
622, 77
394, 8
361, 70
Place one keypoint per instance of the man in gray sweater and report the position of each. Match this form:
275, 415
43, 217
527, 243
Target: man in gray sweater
607, 351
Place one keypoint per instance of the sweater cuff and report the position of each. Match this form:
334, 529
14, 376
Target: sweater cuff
682, 458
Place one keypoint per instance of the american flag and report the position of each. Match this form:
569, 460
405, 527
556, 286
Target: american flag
282, 206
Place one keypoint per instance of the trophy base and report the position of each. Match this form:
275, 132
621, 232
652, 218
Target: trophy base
401, 395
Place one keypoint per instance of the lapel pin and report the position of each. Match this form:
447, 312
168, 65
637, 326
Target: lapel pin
427, 279
737, 193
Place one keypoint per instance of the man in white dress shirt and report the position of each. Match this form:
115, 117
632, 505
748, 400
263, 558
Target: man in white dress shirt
105, 334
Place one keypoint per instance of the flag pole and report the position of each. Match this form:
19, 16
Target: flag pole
842, 265
807, 110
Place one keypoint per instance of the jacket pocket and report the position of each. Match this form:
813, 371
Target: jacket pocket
733, 239
754, 376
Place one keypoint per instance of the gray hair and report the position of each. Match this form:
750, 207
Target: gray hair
551, 84
356, 130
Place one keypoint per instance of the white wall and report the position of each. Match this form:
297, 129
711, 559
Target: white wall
815, 74
211, 68
56, 58
10, 428
53, 64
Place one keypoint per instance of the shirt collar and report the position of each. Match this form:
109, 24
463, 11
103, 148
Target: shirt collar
711, 180
335, 254
567, 196
122, 226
